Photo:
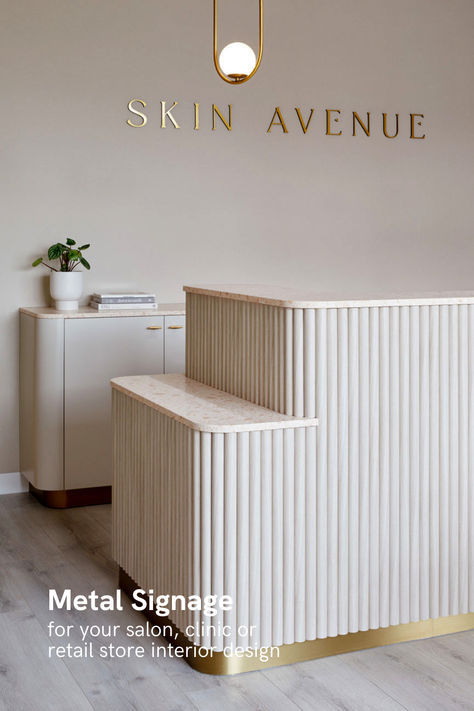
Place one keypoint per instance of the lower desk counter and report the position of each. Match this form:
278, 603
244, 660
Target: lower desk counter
214, 495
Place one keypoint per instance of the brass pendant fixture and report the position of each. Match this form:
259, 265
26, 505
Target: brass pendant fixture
237, 62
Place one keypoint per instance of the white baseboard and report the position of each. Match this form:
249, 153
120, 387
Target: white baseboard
13, 483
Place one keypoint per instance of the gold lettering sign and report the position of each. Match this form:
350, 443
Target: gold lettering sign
304, 125
138, 113
227, 124
280, 121
165, 113
334, 119
385, 126
413, 118
365, 128
328, 122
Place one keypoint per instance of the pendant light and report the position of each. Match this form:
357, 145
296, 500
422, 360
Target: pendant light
237, 62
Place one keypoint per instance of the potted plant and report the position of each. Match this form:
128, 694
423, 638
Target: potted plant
65, 283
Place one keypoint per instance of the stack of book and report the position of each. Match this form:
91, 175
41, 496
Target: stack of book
112, 301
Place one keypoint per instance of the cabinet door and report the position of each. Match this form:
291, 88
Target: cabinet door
96, 350
42, 401
174, 344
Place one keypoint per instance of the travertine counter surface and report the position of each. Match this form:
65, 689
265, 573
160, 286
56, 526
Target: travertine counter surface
89, 312
203, 408
304, 299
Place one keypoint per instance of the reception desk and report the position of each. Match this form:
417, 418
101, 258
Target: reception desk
368, 530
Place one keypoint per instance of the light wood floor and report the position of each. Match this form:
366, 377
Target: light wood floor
41, 549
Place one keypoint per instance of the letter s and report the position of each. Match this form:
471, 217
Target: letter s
137, 113
139, 596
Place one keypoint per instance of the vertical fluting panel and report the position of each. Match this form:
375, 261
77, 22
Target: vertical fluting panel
434, 461
384, 471
394, 390
196, 529
363, 483
197, 513
393, 504
424, 473
266, 539
310, 544
277, 537
243, 541
414, 472
300, 524
374, 466
230, 530
288, 536
206, 528
470, 473
332, 476
322, 383
353, 470
444, 460
453, 553
404, 612
152, 500
241, 348
463, 460
269, 534
217, 531
255, 458
395, 426
343, 470
365, 521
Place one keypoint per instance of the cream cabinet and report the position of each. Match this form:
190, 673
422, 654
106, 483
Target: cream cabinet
95, 350
66, 364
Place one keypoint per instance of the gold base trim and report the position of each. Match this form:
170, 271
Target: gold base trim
69, 498
221, 664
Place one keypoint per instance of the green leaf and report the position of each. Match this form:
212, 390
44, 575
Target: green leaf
84, 246
85, 263
70, 241
55, 251
37, 261
74, 255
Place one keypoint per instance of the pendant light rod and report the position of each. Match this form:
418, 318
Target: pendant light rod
243, 79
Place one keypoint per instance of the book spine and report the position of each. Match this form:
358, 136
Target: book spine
124, 299
111, 307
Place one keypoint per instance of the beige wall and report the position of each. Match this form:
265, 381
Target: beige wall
166, 207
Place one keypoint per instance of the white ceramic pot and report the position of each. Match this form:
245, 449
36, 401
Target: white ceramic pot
66, 289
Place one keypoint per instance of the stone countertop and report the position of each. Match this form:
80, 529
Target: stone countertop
304, 299
203, 408
89, 312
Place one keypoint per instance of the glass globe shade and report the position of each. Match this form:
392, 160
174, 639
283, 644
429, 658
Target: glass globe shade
237, 60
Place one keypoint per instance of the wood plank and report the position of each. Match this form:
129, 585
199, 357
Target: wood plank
415, 675
28, 679
246, 692
107, 683
330, 685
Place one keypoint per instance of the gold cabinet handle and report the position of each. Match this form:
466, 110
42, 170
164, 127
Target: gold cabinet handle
175, 327
154, 328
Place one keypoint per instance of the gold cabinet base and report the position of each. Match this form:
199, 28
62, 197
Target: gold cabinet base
219, 663
69, 498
